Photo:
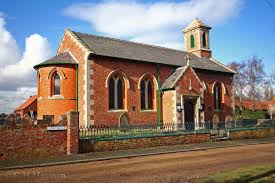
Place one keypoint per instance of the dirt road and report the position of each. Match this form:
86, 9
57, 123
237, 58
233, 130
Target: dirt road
174, 167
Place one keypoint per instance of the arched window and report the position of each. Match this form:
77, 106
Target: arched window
192, 41
146, 94
217, 96
116, 92
204, 40
56, 84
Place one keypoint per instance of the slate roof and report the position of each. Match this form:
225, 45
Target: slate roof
27, 103
173, 78
62, 58
195, 24
105, 46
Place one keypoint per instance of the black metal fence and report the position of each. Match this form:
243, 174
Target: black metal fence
242, 124
112, 132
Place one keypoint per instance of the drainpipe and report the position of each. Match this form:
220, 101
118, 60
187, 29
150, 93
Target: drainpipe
159, 92
76, 83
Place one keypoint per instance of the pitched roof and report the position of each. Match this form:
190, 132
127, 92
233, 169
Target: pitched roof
195, 24
117, 48
27, 103
173, 78
62, 58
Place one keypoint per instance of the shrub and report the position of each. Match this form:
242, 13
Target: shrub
249, 114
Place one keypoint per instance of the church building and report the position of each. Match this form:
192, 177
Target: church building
109, 80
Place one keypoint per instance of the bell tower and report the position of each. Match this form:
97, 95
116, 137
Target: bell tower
197, 39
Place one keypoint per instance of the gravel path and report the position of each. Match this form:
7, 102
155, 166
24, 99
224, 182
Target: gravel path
174, 167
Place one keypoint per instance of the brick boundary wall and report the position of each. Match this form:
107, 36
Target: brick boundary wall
72, 132
27, 141
86, 146
253, 133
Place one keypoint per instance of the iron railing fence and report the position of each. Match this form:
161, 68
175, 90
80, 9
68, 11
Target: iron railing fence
107, 132
112, 132
242, 124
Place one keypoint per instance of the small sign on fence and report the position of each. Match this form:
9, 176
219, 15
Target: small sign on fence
56, 128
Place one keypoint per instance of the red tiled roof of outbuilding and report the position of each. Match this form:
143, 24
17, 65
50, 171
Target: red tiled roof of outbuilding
249, 104
27, 103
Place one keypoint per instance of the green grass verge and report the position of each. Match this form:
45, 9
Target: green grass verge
253, 174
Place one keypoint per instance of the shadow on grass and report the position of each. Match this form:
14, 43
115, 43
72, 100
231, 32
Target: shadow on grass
246, 179
257, 177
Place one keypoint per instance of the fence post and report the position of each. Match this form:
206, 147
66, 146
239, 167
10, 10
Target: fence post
72, 132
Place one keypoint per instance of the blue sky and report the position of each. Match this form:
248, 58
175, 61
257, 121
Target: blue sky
240, 30
249, 33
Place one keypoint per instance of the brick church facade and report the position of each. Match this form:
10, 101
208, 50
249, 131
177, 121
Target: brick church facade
109, 80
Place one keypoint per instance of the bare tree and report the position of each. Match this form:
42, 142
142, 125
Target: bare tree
268, 89
272, 85
250, 81
255, 76
273, 77
239, 80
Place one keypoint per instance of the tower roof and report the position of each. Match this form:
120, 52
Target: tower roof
196, 23
64, 58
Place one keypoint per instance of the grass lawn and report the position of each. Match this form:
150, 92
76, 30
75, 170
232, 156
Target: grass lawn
253, 174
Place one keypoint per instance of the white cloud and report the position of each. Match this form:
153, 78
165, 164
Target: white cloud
37, 50
136, 20
17, 76
9, 51
13, 99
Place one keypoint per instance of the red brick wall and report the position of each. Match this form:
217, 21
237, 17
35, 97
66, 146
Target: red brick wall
209, 79
27, 141
252, 133
17, 142
48, 105
114, 145
203, 53
133, 70
184, 83
72, 132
